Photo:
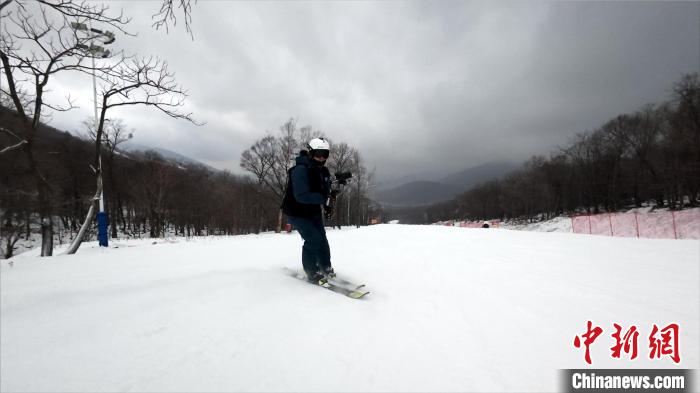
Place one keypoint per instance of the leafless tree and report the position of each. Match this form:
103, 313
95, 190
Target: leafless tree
341, 160
115, 133
290, 141
153, 185
260, 161
359, 175
683, 135
134, 81
37, 41
641, 133
274, 156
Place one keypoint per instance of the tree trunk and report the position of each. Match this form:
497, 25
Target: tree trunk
46, 237
45, 211
113, 189
12, 239
261, 219
120, 210
278, 228
73, 248
114, 227
153, 224
27, 228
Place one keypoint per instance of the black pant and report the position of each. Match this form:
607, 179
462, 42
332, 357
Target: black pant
316, 254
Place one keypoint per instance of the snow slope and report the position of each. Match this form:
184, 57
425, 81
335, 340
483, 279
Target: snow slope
451, 309
557, 224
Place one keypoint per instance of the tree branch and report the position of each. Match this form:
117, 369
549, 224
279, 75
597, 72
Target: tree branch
4, 4
166, 14
21, 142
13, 147
62, 109
85, 11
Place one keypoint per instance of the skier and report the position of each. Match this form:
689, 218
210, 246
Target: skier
308, 189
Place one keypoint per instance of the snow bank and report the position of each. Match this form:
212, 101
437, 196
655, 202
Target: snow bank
557, 224
451, 309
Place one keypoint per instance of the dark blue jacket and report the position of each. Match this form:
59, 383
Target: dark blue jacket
308, 187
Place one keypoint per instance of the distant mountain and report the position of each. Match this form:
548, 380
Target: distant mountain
417, 193
471, 177
169, 155
425, 192
390, 183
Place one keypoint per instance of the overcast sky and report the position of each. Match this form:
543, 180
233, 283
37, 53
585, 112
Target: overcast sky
417, 86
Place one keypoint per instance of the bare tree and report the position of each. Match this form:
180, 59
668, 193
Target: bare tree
683, 135
10, 234
291, 139
13, 219
359, 176
135, 81
115, 133
341, 160
260, 161
39, 43
154, 184
278, 154
641, 134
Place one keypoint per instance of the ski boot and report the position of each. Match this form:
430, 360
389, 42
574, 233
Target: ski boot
316, 278
328, 273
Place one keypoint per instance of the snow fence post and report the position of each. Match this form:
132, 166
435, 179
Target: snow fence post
636, 224
590, 231
673, 218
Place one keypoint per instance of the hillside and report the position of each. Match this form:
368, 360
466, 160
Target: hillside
450, 309
49, 137
417, 193
471, 177
169, 155
425, 192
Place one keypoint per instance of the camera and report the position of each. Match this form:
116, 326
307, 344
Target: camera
342, 177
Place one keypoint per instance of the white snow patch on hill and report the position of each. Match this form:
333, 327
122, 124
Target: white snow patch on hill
557, 224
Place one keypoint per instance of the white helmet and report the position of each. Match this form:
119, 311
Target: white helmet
318, 144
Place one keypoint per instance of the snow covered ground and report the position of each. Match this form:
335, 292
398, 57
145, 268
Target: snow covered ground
450, 309
557, 224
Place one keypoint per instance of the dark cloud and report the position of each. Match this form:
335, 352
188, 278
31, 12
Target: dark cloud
416, 86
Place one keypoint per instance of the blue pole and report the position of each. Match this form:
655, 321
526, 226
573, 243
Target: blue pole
102, 229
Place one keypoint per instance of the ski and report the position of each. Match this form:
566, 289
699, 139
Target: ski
345, 283
357, 293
